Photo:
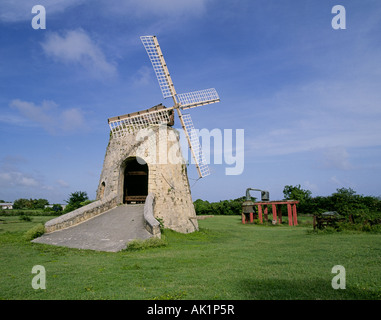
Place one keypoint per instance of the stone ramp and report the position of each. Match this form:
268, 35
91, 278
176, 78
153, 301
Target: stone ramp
109, 231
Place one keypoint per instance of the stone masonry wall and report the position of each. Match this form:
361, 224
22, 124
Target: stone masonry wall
159, 147
81, 214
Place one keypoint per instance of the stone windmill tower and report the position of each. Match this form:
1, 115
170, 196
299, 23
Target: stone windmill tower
144, 156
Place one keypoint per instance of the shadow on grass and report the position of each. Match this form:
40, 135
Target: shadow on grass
303, 290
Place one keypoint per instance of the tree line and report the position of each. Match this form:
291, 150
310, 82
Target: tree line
345, 201
30, 204
76, 200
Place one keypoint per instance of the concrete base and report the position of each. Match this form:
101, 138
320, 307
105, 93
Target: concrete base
110, 231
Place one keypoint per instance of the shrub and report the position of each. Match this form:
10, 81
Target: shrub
161, 222
30, 203
85, 203
35, 232
139, 244
23, 217
76, 200
299, 194
57, 208
225, 207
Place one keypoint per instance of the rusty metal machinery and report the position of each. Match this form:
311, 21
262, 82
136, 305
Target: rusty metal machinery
248, 206
265, 196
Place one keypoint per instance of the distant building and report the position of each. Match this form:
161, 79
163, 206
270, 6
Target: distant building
6, 205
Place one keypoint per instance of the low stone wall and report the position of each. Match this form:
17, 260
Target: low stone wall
150, 223
82, 214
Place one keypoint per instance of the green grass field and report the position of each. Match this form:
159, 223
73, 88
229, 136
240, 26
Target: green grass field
224, 260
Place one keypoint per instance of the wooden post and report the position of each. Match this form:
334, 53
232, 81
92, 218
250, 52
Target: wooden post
274, 213
280, 213
251, 217
266, 213
289, 214
243, 218
260, 213
295, 215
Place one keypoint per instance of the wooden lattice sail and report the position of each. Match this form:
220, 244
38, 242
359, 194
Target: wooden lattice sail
126, 124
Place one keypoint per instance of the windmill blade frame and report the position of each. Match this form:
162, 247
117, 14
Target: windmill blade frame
194, 144
197, 98
128, 124
156, 57
123, 125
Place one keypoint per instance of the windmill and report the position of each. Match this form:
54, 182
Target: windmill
122, 125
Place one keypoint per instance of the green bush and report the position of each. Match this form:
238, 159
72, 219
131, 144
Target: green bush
30, 203
161, 222
85, 203
35, 232
57, 208
299, 194
139, 244
225, 207
76, 200
23, 217
345, 201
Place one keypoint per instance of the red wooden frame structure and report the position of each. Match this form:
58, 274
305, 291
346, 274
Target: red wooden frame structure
291, 210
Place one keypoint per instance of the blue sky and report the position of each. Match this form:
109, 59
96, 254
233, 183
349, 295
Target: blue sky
307, 96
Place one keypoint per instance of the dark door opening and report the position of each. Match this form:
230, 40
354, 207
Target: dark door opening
135, 181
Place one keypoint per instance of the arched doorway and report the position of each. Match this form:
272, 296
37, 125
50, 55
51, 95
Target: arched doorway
135, 186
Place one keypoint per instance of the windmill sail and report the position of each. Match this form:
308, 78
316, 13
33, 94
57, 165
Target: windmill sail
197, 98
127, 124
194, 145
160, 67
130, 123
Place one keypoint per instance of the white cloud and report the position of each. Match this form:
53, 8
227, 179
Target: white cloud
76, 47
50, 117
16, 183
62, 183
311, 186
72, 119
20, 10
336, 158
17, 179
37, 114
319, 115
11, 176
338, 182
143, 76
12, 119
